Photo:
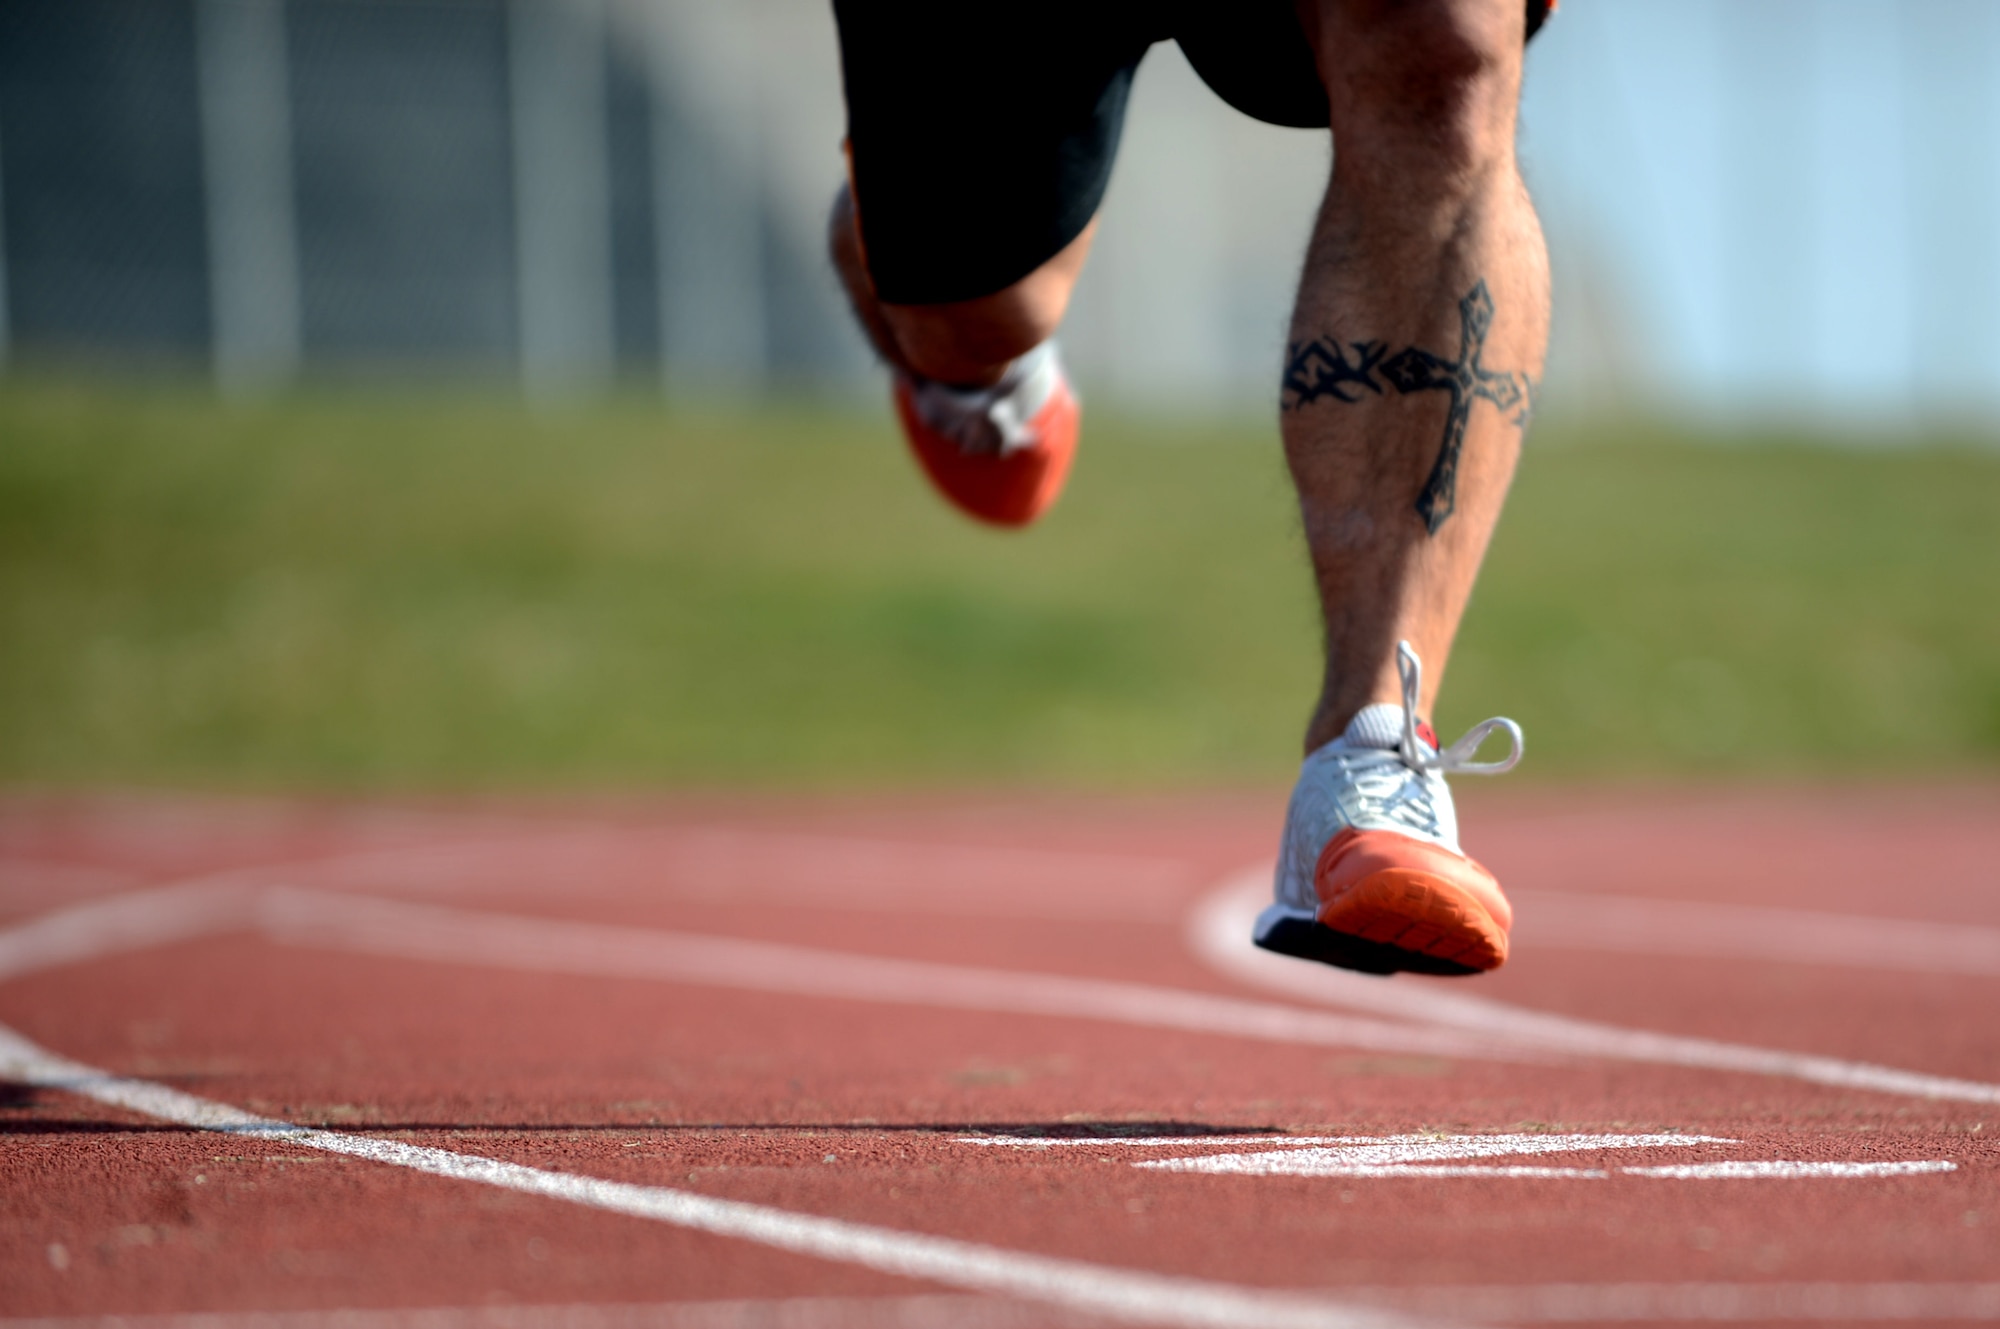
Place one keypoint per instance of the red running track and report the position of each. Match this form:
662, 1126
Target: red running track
987, 1062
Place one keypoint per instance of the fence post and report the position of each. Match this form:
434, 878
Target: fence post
557, 55
246, 141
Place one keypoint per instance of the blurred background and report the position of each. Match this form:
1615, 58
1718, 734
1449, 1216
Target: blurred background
446, 393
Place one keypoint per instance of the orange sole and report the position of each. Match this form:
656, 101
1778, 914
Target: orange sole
1417, 912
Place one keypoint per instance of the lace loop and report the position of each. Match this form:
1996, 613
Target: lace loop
1457, 759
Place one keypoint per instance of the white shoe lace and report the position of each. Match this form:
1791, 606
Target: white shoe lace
1458, 758
1404, 786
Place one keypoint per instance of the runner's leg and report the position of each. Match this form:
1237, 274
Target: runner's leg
1419, 330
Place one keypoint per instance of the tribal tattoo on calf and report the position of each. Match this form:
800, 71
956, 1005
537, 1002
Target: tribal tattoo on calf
1315, 369
1321, 368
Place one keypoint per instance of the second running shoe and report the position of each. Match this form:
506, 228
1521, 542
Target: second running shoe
1370, 874
1000, 454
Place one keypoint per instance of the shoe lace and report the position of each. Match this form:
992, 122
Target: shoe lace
1458, 758
1401, 783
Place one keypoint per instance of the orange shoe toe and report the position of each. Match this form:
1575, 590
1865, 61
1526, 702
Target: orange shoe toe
1011, 487
1442, 911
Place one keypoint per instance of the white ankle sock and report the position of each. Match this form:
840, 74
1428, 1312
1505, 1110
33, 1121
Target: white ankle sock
1377, 725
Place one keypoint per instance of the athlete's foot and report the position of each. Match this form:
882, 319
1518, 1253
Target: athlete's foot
1001, 453
1370, 875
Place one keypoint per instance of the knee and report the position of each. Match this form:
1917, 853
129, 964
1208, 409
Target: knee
1427, 88
986, 331
971, 340
964, 342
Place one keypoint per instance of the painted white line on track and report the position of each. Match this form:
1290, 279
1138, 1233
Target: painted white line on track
1422, 1156
1639, 926
935, 1311
1219, 932
1434, 1170
136, 920
1164, 1141
1438, 1023
1775, 1168
546, 945
1403, 1155
1120, 1294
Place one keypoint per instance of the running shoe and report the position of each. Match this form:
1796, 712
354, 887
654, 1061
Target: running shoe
1000, 454
1370, 875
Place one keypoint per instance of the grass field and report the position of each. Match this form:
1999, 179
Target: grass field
431, 591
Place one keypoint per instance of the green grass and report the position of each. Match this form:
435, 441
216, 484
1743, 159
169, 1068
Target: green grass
365, 591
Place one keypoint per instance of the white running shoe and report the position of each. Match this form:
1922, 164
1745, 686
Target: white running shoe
1370, 874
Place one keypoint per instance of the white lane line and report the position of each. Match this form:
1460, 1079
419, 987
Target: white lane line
1164, 1141
1639, 926
1440, 1023
1405, 1155
935, 1311
1776, 1168
1613, 1303
137, 920
1219, 932
1421, 1155
1509, 1170
1118, 1294
546, 945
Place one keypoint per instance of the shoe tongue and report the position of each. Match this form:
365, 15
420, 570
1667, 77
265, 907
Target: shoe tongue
1379, 725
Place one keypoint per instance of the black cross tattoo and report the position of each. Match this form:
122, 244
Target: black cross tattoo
1417, 370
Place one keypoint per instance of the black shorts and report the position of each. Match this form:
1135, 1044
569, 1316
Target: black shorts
982, 136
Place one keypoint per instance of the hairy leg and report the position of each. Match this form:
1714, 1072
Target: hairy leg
968, 342
1418, 335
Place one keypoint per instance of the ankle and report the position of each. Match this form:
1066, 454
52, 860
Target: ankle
1332, 720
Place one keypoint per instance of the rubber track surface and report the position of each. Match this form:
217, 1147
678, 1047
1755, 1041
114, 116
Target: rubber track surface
540, 999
